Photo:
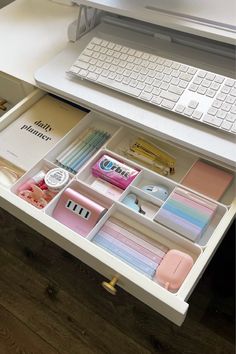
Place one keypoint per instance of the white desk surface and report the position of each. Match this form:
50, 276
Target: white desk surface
32, 32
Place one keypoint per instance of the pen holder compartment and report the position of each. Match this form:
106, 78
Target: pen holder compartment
139, 243
190, 215
41, 184
83, 142
79, 208
139, 148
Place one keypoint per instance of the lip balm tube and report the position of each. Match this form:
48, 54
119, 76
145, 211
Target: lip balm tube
32, 181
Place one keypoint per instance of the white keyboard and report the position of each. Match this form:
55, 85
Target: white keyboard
197, 94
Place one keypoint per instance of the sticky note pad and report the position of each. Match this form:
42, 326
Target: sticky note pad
208, 179
186, 213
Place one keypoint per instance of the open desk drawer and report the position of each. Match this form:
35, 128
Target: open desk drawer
171, 304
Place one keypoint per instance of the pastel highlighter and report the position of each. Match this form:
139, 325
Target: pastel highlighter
173, 269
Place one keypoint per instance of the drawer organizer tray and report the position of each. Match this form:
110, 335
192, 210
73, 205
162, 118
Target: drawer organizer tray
171, 304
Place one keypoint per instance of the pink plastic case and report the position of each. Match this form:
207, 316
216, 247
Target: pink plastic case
78, 212
173, 269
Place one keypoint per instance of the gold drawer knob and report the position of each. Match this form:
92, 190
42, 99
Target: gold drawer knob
2, 102
110, 286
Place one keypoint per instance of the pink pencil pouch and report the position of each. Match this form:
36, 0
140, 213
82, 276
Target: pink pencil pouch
114, 171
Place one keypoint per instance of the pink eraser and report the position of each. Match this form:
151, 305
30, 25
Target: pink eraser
114, 171
173, 269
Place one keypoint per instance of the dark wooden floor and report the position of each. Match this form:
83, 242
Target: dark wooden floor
50, 302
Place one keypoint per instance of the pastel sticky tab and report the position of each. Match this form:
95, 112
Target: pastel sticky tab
186, 213
114, 171
173, 269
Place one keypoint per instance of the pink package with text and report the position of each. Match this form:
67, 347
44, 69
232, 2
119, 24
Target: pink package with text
114, 171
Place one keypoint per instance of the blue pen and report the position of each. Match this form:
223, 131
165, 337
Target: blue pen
93, 142
90, 154
67, 152
80, 148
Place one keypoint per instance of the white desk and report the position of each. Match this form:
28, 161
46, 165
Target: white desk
32, 32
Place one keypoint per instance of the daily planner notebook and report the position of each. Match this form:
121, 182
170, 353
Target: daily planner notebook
25, 141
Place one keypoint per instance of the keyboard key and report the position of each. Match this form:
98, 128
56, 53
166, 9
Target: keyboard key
134, 76
118, 78
233, 129
88, 52
105, 73
112, 75
221, 96
167, 104
84, 58
193, 104
206, 83
226, 107
226, 125
212, 111
156, 83
197, 80
175, 65
210, 76
221, 114
74, 69
156, 100
92, 76
193, 87
233, 92
201, 90
119, 86
176, 90
215, 86
96, 40
185, 77
183, 84
233, 110
112, 45
188, 111
229, 82
210, 93
197, 115
127, 80
146, 96
212, 120
183, 68
82, 65
219, 79
164, 86
230, 99
140, 85
202, 73
148, 88
134, 83
156, 91
231, 117
217, 103
169, 96
225, 89
179, 108
192, 70
83, 73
